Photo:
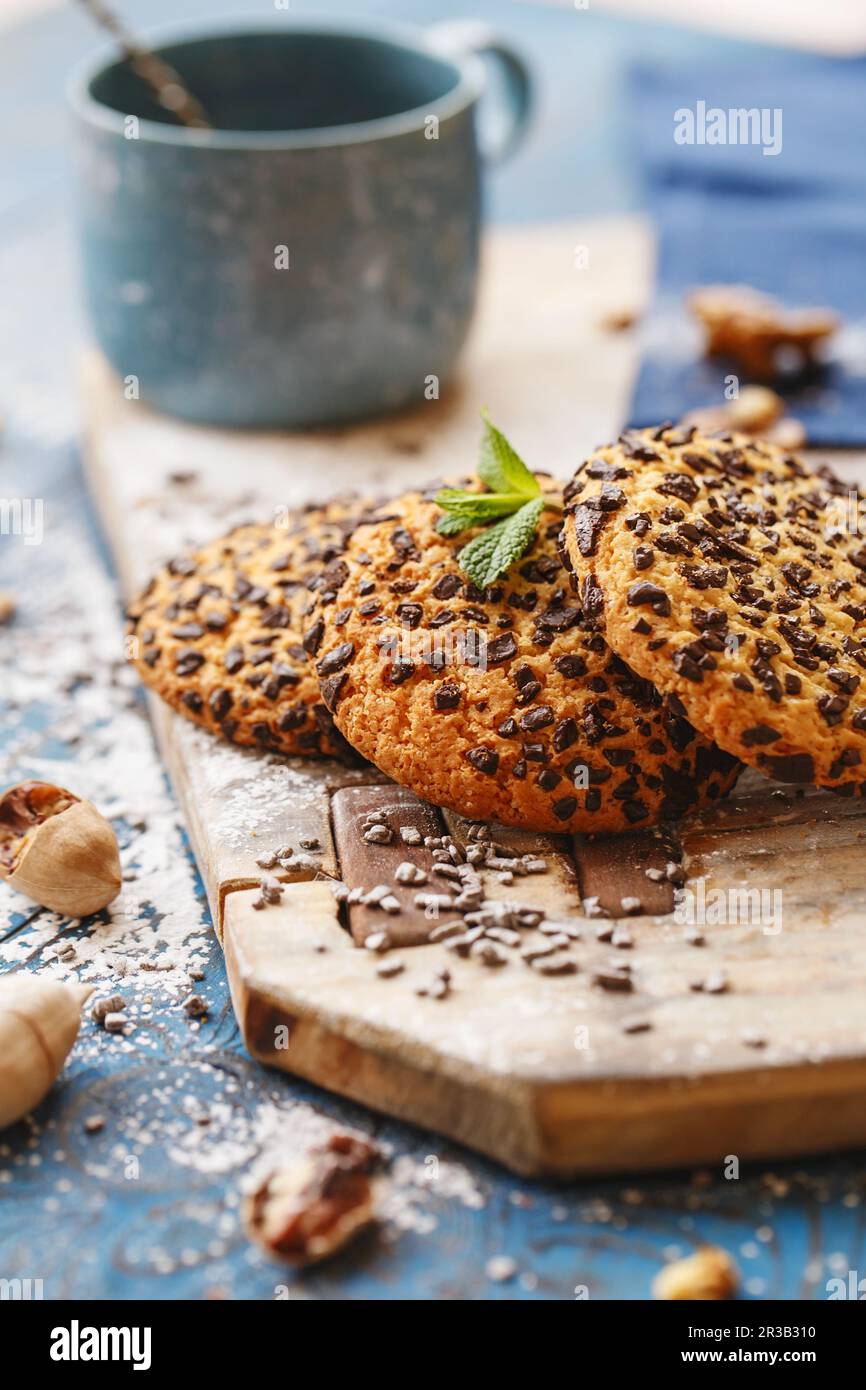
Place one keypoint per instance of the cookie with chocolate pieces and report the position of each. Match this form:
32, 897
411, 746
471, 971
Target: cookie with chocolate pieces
505, 704
227, 635
744, 599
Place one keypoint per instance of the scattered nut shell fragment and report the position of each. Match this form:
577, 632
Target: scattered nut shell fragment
39, 1022
57, 849
619, 320
313, 1207
708, 1274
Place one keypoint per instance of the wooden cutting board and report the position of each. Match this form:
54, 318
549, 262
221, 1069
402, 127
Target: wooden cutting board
547, 1073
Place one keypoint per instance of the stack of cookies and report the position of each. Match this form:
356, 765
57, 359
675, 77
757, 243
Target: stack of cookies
688, 604
730, 576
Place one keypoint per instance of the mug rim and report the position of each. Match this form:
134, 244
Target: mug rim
468, 85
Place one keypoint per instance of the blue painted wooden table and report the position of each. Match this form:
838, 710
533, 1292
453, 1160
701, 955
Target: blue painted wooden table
148, 1205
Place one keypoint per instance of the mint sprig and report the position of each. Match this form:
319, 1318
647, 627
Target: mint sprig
513, 501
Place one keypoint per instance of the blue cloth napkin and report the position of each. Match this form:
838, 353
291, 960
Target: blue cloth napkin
791, 224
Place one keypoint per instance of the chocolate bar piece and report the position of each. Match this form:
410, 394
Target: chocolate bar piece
629, 873
379, 830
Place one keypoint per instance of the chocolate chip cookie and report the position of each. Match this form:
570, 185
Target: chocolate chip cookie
226, 635
502, 704
731, 576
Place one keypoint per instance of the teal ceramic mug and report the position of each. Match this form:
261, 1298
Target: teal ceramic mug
311, 259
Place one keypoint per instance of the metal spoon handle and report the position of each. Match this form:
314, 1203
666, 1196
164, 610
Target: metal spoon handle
164, 81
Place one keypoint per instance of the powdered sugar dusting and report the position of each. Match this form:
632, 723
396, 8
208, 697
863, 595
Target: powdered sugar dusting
75, 721
73, 716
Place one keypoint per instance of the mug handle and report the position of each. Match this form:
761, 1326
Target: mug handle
459, 37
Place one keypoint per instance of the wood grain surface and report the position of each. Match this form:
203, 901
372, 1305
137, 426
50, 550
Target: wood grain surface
736, 1034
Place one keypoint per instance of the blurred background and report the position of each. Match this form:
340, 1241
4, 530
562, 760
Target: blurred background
579, 159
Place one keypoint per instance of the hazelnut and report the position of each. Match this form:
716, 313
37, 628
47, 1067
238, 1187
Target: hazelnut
57, 849
7, 607
755, 409
312, 1208
708, 1274
757, 412
787, 434
39, 1022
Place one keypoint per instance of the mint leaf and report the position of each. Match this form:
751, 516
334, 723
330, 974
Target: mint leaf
451, 524
452, 498
500, 468
475, 508
489, 555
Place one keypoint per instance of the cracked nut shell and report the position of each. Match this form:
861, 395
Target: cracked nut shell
57, 849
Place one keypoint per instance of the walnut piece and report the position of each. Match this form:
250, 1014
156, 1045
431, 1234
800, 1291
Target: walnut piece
760, 334
310, 1209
